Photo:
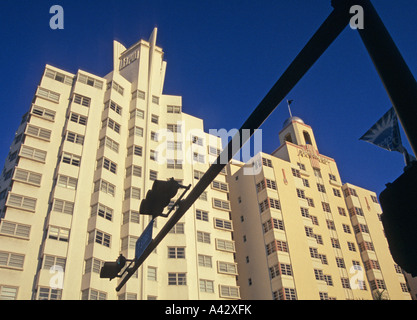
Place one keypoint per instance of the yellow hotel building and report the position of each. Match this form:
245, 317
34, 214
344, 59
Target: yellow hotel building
300, 233
83, 157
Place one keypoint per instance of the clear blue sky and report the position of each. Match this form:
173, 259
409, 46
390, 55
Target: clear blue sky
223, 57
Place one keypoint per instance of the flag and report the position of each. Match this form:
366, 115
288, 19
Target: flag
385, 133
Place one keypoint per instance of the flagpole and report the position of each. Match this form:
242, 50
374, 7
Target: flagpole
289, 108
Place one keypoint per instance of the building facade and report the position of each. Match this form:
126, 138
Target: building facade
301, 233
82, 159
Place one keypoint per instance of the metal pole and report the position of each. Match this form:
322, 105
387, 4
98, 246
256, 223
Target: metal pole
397, 78
321, 40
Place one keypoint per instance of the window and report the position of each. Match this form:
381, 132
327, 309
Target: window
67, 182
91, 294
310, 202
301, 194
131, 216
12, 260
206, 286
104, 186
153, 155
109, 143
138, 94
32, 153
56, 233
132, 193
220, 186
133, 170
78, 118
223, 224
137, 131
43, 113
321, 187
102, 211
58, 77
221, 204
153, 175
84, 101
176, 252
48, 94
203, 237
177, 279
305, 183
204, 261
332, 177
198, 174
260, 186
267, 162
173, 109
75, 138
155, 100
178, 228
296, 173
111, 124
174, 128
99, 237
342, 211
140, 114
326, 207
330, 225
8, 293
271, 184
285, 294
174, 164
174, 145
27, 177
225, 245
350, 192
346, 228
154, 119
46, 293
136, 150
229, 292
214, 151
201, 215
113, 106
374, 199
226, 267
63, 206
340, 262
152, 273
38, 132
15, 229
115, 86
71, 159
21, 202
90, 81
93, 265
198, 157
154, 136
197, 140
107, 164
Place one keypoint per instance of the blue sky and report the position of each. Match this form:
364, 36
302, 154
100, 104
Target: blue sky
223, 57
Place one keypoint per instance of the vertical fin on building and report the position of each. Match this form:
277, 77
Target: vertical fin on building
118, 49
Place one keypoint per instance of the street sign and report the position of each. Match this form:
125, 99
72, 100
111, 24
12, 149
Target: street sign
144, 240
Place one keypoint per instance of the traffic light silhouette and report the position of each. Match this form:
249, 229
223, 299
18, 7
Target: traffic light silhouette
159, 197
399, 218
110, 270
